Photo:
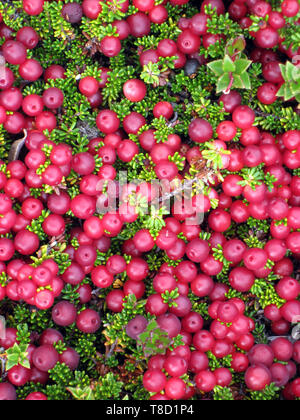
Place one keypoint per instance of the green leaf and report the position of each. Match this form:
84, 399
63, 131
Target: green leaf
280, 92
245, 80
296, 73
151, 346
151, 326
228, 65
11, 362
290, 68
23, 347
223, 83
288, 93
298, 97
291, 87
25, 363
17, 355
290, 72
84, 394
295, 88
239, 44
143, 337
216, 67
151, 73
238, 84
242, 65
283, 71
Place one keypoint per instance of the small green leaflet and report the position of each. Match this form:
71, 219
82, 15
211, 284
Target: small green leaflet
231, 74
223, 83
17, 355
216, 67
84, 394
242, 65
291, 87
228, 65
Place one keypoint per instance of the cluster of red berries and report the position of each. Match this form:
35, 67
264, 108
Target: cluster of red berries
259, 365
229, 334
42, 356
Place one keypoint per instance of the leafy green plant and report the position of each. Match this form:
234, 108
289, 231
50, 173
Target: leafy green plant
291, 33
115, 324
223, 394
36, 225
254, 177
169, 297
213, 156
17, 355
154, 340
215, 363
291, 87
221, 23
266, 294
82, 393
106, 388
232, 69
270, 393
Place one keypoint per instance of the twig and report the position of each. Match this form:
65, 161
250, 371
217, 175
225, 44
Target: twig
88, 131
296, 333
112, 349
16, 148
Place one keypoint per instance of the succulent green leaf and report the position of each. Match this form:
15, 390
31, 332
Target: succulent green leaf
296, 74
290, 70
223, 83
216, 67
13, 361
283, 71
239, 44
238, 83
17, 355
242, 65
280, 92
291, 87
228, 65
151, 326
83, 394
295, 88
245, 80
288, 92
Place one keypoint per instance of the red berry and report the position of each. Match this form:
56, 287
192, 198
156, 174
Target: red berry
14, 52
154, 381
135, 90
188, 42
205, 381
243, 117
140, 24
107, 121
200, 131
91, 8
144, 5
290, 8
88, 321
258, 377
110, 46
33, 7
